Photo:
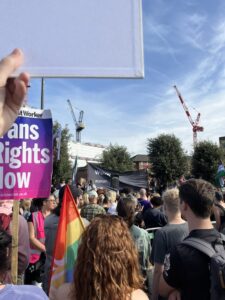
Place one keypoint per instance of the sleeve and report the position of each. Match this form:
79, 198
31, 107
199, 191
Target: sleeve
173, 269
159, 248
24, 245
30, 218
163, 219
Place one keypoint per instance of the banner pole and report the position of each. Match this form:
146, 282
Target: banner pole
15, 230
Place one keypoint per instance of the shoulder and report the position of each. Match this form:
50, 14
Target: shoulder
30, 218
51, 219
138, 295
26, 291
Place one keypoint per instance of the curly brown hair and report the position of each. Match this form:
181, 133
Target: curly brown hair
107, 263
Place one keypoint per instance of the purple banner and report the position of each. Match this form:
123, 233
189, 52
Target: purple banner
26, 156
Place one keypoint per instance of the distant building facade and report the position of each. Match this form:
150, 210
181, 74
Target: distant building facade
222, 142
85, 152
141, 162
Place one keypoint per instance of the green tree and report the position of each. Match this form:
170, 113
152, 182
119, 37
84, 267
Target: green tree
61, 168
168, 159
117, 158
205, 160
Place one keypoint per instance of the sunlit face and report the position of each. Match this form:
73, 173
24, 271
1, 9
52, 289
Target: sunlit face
51, 202
6, 203
7, 206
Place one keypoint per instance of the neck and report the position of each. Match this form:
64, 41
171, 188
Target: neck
174, 218
45, 212
197, 223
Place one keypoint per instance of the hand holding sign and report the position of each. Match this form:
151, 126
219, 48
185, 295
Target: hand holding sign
12, 90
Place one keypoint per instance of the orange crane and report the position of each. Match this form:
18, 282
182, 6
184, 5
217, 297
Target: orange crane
194, 124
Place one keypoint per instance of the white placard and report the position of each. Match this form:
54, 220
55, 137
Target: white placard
75, 38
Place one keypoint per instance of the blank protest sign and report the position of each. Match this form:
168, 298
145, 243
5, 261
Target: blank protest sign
78, 38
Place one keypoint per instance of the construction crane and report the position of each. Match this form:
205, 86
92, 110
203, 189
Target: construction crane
194, 124
79, 125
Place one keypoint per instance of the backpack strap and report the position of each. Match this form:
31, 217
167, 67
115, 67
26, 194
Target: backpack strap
222, 238
200, 245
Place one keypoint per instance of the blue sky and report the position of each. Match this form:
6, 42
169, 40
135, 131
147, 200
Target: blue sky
184, 43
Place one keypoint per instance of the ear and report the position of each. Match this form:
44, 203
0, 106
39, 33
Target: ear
185, 206
164, 207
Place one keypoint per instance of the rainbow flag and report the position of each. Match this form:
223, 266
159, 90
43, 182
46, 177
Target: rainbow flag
68, 234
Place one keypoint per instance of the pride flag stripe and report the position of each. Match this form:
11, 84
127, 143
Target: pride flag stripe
70, 229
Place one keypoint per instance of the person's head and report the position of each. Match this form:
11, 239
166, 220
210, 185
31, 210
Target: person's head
126, 209
85, 199
197, 195
101, 197
107, 264
125, 191
92, 197
37, 204
142, 193
26, 203
50, 203
171, 201
105, 202
76, 193
68, 181
5, 247
156, 200
6, 206
111, 195
62, 181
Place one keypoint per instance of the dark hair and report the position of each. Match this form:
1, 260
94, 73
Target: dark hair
218, 196
37, 204
76, 192
156, 200
199, 195
5, 243
126, 210
126, 190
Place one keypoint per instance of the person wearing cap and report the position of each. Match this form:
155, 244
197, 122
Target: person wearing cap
92, 209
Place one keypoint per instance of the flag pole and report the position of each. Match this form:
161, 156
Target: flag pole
15, 240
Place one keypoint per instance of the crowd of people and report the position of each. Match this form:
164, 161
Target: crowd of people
117, 251
136, 245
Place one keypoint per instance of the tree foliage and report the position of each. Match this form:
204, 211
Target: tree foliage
61, 168
168, 159
117, 158
205, 160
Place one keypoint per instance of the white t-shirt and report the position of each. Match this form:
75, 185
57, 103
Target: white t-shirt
22, 292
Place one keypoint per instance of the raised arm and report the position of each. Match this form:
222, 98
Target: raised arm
12, 90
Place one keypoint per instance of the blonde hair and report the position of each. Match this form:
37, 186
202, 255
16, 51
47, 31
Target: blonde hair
111, 195
26, 204
171, 200
85, 198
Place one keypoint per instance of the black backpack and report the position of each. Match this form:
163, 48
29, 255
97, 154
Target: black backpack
216, 265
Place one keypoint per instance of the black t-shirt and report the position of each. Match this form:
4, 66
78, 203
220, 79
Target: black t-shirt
187, 269
153, 217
